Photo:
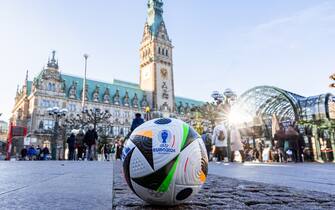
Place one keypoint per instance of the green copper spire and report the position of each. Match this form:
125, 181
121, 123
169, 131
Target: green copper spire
155, 15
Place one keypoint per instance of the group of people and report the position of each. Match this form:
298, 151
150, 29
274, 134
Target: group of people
82, 145
287, 144
32, 153
216, 143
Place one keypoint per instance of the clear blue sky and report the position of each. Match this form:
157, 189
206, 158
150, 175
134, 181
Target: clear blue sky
218, 43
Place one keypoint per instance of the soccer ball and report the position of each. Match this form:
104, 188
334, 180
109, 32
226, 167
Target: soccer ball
165, 161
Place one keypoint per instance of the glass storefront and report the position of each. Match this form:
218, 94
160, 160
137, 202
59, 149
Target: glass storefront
314, 118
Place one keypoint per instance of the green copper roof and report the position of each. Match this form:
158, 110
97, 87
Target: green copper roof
188, 101
120, 85
155, 15
126, 84
29, 85
92, 84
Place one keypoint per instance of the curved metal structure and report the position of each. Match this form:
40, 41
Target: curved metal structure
265, 101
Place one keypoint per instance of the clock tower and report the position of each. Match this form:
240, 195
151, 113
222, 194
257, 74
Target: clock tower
156, 70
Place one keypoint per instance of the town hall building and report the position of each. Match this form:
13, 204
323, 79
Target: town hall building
53, 88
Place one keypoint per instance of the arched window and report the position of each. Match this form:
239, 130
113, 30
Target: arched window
49, 87
159, 50
53, 87
166, 52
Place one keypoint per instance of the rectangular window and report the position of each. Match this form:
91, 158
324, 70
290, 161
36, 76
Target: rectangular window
48, 124
116, 130
72, 107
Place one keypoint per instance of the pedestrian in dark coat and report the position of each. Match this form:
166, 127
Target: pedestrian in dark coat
81, 149
71, 141
46, 152
90, 139
136, 122
293, 138
24, 153
280, 137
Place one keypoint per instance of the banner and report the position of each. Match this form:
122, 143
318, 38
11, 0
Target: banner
9, 141
14, 131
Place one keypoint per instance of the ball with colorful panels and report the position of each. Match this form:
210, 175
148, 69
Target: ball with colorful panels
165, 162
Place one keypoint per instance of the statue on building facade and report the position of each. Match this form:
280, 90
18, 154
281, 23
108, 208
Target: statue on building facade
95, 94
126, 99
135, 101
116, 98
73, 90
144, 102
106, 96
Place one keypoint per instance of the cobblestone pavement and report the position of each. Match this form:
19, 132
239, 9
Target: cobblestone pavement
227, 193
304, 176
56, 185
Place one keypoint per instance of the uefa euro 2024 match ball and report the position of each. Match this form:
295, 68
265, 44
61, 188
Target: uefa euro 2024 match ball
165, 162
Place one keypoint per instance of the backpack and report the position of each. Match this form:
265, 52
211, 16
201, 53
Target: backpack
221, 136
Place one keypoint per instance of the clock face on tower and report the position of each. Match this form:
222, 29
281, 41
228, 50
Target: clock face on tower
146, 73
164, 73
147, 82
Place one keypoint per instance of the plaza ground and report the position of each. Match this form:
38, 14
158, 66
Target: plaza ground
100, 185
306, 176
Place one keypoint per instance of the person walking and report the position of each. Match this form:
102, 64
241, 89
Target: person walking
105, 152
80, 144
71, 142
236, 144
90, 139
219, 142
24, 153
280, 137
301, 147
119, 148
46, 153
293, 138
207, 138
32, 152
259, 150
38, 152
137, 121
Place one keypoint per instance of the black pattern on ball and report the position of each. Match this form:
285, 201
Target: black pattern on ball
144, 144
185, 193
163, 121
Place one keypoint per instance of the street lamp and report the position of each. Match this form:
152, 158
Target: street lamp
57, 114
84, 83
218, 97
227, 100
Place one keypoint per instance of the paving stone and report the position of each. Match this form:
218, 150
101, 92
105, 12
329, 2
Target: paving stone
227, 193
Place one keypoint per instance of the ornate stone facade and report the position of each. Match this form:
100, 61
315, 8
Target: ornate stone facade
51, 88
